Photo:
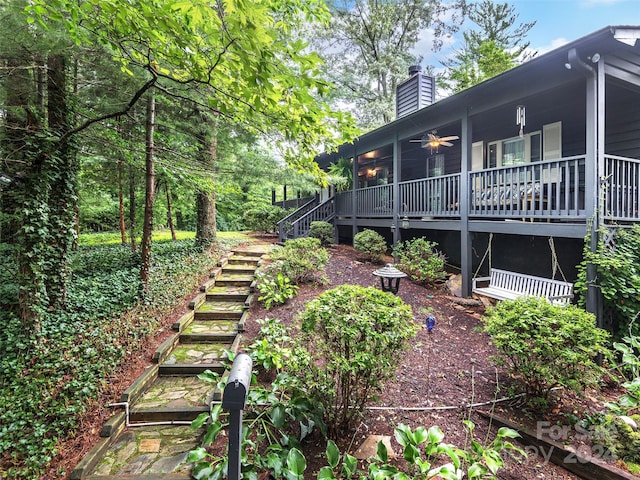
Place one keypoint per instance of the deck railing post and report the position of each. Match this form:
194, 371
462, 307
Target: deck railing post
234, 399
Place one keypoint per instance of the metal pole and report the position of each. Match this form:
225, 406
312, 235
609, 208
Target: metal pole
233, 400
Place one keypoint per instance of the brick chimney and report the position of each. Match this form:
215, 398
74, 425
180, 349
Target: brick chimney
415, 93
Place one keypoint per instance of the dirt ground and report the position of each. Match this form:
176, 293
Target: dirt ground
442, 373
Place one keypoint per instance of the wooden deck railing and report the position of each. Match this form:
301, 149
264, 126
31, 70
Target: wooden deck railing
621, 189
430, 197
550, 189
375, 201
547, 189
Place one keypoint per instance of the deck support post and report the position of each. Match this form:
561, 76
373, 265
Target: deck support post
395, 221
466, 258
594, 150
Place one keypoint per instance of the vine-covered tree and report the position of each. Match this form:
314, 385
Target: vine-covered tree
368, 47
497, 45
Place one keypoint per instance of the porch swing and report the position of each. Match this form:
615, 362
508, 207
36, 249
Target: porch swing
506, 285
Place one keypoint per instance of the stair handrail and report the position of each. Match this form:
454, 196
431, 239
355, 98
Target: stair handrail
325, 212
292, 217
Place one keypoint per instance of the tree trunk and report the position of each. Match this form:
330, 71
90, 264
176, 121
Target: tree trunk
27, 192
147, 227
206, 200
169, 211
63, 171
123, 227
132, 208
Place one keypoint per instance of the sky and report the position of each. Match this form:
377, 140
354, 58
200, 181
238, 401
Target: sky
557, 22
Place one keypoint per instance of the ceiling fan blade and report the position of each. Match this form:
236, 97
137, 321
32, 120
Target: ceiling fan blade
416, 140
446, 144
452, 137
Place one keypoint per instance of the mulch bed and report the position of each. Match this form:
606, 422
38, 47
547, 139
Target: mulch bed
442, 373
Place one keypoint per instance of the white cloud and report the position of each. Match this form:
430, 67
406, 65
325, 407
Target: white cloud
555, 43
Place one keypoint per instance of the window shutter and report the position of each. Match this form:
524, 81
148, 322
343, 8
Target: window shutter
477, 156
552, 141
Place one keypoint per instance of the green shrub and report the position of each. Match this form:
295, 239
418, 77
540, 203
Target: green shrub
275, 289
264, 218
546, 346
370, 244
420, 260
302, 260
323, 231
354, 336
272, 349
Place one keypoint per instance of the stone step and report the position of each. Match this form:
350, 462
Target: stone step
237, 269
244, 259
198, 353
170, 392
252, 251
228, 293
173, 392
223, 328
149, 452
220, 310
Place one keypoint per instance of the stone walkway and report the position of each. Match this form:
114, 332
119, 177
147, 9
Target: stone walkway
151, 436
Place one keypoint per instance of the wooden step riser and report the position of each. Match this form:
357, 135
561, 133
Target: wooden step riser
207, 338
217, 315
238, 271
190, 369
184, 414
233, 283
244, 261
221, 297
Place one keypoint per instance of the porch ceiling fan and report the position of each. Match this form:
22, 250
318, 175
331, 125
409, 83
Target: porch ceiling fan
431, 139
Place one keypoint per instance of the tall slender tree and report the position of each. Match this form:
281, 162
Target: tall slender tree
495, 46
369, 44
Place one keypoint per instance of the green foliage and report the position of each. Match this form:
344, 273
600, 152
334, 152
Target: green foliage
370, 244
264, 218
546, 346
619, 440
341, 174
629, 351
497, 45
384, 34
49, 378
618, 277
302, 260
323, 231
276, 419
265, 94
353, 336
272, 348
275, 290
423, 449
420, 260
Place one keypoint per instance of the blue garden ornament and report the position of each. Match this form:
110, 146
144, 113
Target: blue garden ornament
430, 322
